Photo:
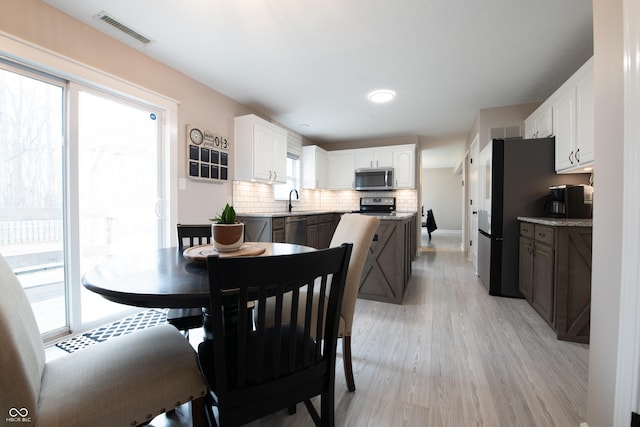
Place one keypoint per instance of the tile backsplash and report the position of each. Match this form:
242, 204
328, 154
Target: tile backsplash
251, 197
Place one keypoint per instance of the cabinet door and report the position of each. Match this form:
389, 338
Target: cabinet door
525, 268
404, 168
314, 167
312, 236
382, 158
325, 232
341, 169
279, 157
374, 158
364, 158
278, 236
544, 123
584, 120
530, 127
322, 175
564, 121
263, 152
543, 281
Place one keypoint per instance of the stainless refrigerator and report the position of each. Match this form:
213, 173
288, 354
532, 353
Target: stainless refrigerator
514, 177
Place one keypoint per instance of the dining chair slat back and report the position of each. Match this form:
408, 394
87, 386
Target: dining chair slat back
254, 369
193, 235
189, 235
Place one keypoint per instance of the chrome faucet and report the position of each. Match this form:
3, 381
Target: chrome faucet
297, 197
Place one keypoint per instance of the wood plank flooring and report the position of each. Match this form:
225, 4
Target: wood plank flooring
451, 355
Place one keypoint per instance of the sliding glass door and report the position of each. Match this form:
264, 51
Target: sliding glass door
118, 185
31, 190
81, 180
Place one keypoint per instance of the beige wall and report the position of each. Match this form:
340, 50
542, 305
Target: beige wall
442, 191
607, 215
488, 118
36, 22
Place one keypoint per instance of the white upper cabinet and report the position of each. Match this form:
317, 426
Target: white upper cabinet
540, 123
573, 115
337, 168
315, 173
584, 119
342, 164
568, 115
380, 157
260, 150
404, 166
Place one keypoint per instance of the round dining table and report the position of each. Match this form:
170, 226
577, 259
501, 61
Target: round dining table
164, 278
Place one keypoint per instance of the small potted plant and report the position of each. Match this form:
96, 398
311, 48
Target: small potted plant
227, 233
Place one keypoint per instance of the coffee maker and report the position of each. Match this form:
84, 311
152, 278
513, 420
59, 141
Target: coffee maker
569, 201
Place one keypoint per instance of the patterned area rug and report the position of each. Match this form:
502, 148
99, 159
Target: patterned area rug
142, 320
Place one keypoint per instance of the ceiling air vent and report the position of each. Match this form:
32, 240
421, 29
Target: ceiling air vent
108, 19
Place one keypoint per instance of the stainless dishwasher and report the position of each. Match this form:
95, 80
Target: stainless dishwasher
295, 230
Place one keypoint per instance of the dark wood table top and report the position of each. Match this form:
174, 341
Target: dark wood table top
162, 278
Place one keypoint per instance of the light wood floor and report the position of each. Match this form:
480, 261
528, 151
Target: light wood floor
451, 355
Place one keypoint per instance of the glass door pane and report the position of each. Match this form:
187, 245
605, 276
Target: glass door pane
31, 193
118, 186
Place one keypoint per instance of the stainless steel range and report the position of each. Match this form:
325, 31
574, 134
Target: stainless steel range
378, 205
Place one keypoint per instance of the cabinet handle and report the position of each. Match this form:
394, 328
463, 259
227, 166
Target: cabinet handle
270, 174
578, 155
275, 175
571, 157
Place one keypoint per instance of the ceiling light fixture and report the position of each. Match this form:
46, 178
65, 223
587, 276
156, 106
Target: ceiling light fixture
381, 96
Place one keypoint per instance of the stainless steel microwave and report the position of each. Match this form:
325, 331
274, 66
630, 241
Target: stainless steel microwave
380, 179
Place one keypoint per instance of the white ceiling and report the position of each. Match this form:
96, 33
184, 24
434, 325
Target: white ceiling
309, 64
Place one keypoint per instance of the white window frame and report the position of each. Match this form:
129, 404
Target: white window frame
32, 56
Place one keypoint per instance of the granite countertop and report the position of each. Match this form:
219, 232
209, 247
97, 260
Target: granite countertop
398, 216
287, 213
558, 222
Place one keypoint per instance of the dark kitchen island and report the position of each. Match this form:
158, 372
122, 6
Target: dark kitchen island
388, 266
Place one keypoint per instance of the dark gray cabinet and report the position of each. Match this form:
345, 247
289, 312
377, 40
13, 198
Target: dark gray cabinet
537, 268
555, 276
319, 231
388, 266
263, 228
573, 307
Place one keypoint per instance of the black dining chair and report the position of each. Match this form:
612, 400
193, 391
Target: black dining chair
254, 370
189, 235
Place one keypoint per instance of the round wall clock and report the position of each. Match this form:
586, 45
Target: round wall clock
196, 136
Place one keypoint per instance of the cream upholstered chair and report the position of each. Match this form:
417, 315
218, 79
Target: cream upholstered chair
359, 230
125, 381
